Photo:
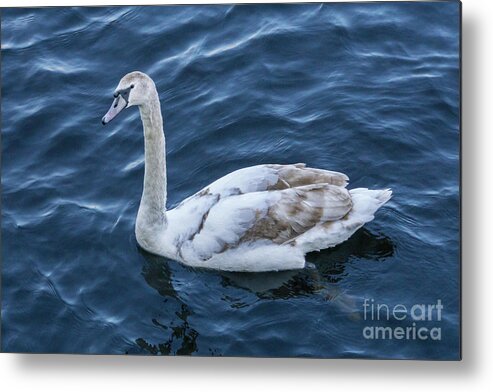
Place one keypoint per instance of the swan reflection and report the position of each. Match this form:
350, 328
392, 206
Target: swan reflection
321, 278
323, 268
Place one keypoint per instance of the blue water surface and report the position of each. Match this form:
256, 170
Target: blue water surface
368, 89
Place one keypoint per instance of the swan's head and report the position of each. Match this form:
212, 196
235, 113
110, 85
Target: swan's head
134, 89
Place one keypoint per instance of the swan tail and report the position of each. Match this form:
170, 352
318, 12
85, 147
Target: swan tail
367, 201
329, 234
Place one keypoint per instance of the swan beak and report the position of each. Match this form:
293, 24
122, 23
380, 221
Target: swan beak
116, 107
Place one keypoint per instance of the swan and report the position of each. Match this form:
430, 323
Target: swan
255, 219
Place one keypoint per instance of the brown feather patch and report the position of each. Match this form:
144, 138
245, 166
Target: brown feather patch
297, 212
291, 176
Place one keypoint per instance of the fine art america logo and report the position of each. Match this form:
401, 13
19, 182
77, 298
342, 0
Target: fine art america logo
416, 322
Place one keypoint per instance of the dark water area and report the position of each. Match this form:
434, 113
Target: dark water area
371, 90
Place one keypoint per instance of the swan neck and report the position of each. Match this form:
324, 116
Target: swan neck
153, 203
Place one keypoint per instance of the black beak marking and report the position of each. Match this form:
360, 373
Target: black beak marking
124, 93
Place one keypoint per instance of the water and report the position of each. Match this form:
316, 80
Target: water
371, 90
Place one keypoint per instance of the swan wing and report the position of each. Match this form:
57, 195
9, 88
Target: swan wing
268, 178
275, 217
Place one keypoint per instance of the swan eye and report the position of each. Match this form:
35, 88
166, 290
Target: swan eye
132, 86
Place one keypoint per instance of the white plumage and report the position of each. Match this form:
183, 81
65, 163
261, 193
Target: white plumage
260, 218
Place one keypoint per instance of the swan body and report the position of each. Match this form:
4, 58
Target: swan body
260, 218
